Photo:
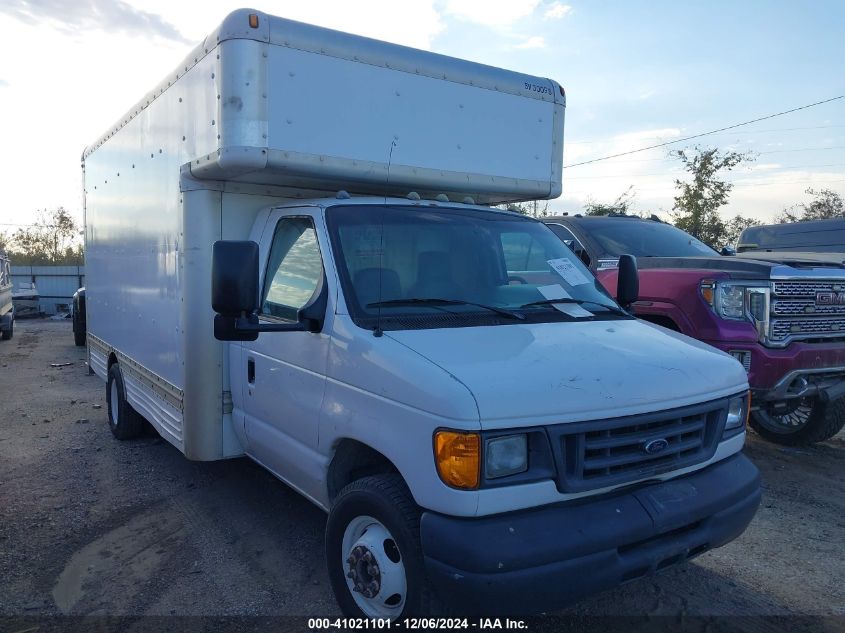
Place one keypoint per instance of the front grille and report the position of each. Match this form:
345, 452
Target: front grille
803, 307
808, 288
807, 328
611, 452
796, 315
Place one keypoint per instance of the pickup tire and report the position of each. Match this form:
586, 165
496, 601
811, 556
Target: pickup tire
373, 551
9, 332
823, 421
125, 423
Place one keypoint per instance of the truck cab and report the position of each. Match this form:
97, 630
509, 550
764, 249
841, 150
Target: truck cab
778, 314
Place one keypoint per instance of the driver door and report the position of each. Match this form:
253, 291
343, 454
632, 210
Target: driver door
284, 373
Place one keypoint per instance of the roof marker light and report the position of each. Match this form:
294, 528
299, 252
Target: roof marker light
253, 20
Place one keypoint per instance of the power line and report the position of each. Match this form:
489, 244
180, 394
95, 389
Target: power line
776, 151
780, 129
680, 171
738, 184
694, 136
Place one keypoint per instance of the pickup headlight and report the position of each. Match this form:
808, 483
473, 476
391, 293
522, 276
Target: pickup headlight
738, 409
505, 456
737, 300
730, 300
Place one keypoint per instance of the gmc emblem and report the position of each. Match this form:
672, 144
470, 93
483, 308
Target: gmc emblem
830, 298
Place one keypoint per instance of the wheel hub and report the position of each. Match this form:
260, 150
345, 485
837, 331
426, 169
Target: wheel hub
373, 567
364, 571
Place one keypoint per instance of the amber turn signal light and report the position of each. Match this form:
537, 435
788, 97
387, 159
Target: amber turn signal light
458, 458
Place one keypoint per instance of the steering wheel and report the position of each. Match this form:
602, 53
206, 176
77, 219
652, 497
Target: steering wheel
516, 278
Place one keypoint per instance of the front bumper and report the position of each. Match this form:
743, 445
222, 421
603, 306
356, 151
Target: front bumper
537, 560
770, 366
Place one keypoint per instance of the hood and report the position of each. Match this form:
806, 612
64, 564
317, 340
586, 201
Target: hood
522, 375
836, 260
753, 265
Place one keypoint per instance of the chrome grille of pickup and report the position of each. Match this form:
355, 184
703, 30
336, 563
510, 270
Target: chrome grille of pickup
807, 288
803, 307
795, 315
613, 452
807, 328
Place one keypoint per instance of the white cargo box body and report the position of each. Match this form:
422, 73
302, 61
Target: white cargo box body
297, 105
257, 115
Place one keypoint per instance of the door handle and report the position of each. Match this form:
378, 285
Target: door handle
250, 371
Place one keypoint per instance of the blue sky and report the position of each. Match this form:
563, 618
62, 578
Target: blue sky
636, 73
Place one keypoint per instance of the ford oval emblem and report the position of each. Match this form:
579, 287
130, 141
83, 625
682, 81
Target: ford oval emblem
652, 447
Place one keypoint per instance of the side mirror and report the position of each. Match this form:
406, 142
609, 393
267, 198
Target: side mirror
728, 251
234, 278
235, 296
628, 282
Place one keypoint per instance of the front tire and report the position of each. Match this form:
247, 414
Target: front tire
10, 332
373, 551
125, 423
78, 332
805, 421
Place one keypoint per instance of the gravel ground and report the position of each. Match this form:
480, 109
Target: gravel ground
93, 526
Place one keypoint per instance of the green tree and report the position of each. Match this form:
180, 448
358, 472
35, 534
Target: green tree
826, 204
621, 206
698, 201
734, 228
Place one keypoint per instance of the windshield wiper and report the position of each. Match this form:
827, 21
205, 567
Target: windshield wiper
445, 302
548, 302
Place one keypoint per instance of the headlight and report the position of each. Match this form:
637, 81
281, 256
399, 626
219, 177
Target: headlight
737, 300
731, 301
506, 455
737, 414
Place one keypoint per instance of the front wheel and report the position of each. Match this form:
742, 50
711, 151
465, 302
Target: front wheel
373, 551
78, 332
799, 421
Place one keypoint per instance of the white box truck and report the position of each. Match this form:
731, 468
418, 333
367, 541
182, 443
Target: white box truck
290, 256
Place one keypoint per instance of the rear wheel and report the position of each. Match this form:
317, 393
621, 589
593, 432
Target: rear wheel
10, 332
799, 421
125, 423
373, 551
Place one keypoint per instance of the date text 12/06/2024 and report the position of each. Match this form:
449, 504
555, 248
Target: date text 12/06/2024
324, 624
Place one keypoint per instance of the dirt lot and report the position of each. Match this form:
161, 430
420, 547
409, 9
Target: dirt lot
90, 525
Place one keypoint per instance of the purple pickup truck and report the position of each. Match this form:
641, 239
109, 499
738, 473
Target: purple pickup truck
782, 315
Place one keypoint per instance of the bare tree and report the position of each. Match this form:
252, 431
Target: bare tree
534, 208
826, 204
54, 238
623, 204
735, 227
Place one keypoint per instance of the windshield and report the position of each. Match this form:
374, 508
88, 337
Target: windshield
644, 239
411, 267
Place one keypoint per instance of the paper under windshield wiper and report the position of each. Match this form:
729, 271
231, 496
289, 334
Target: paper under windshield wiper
548, 302
444, 302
